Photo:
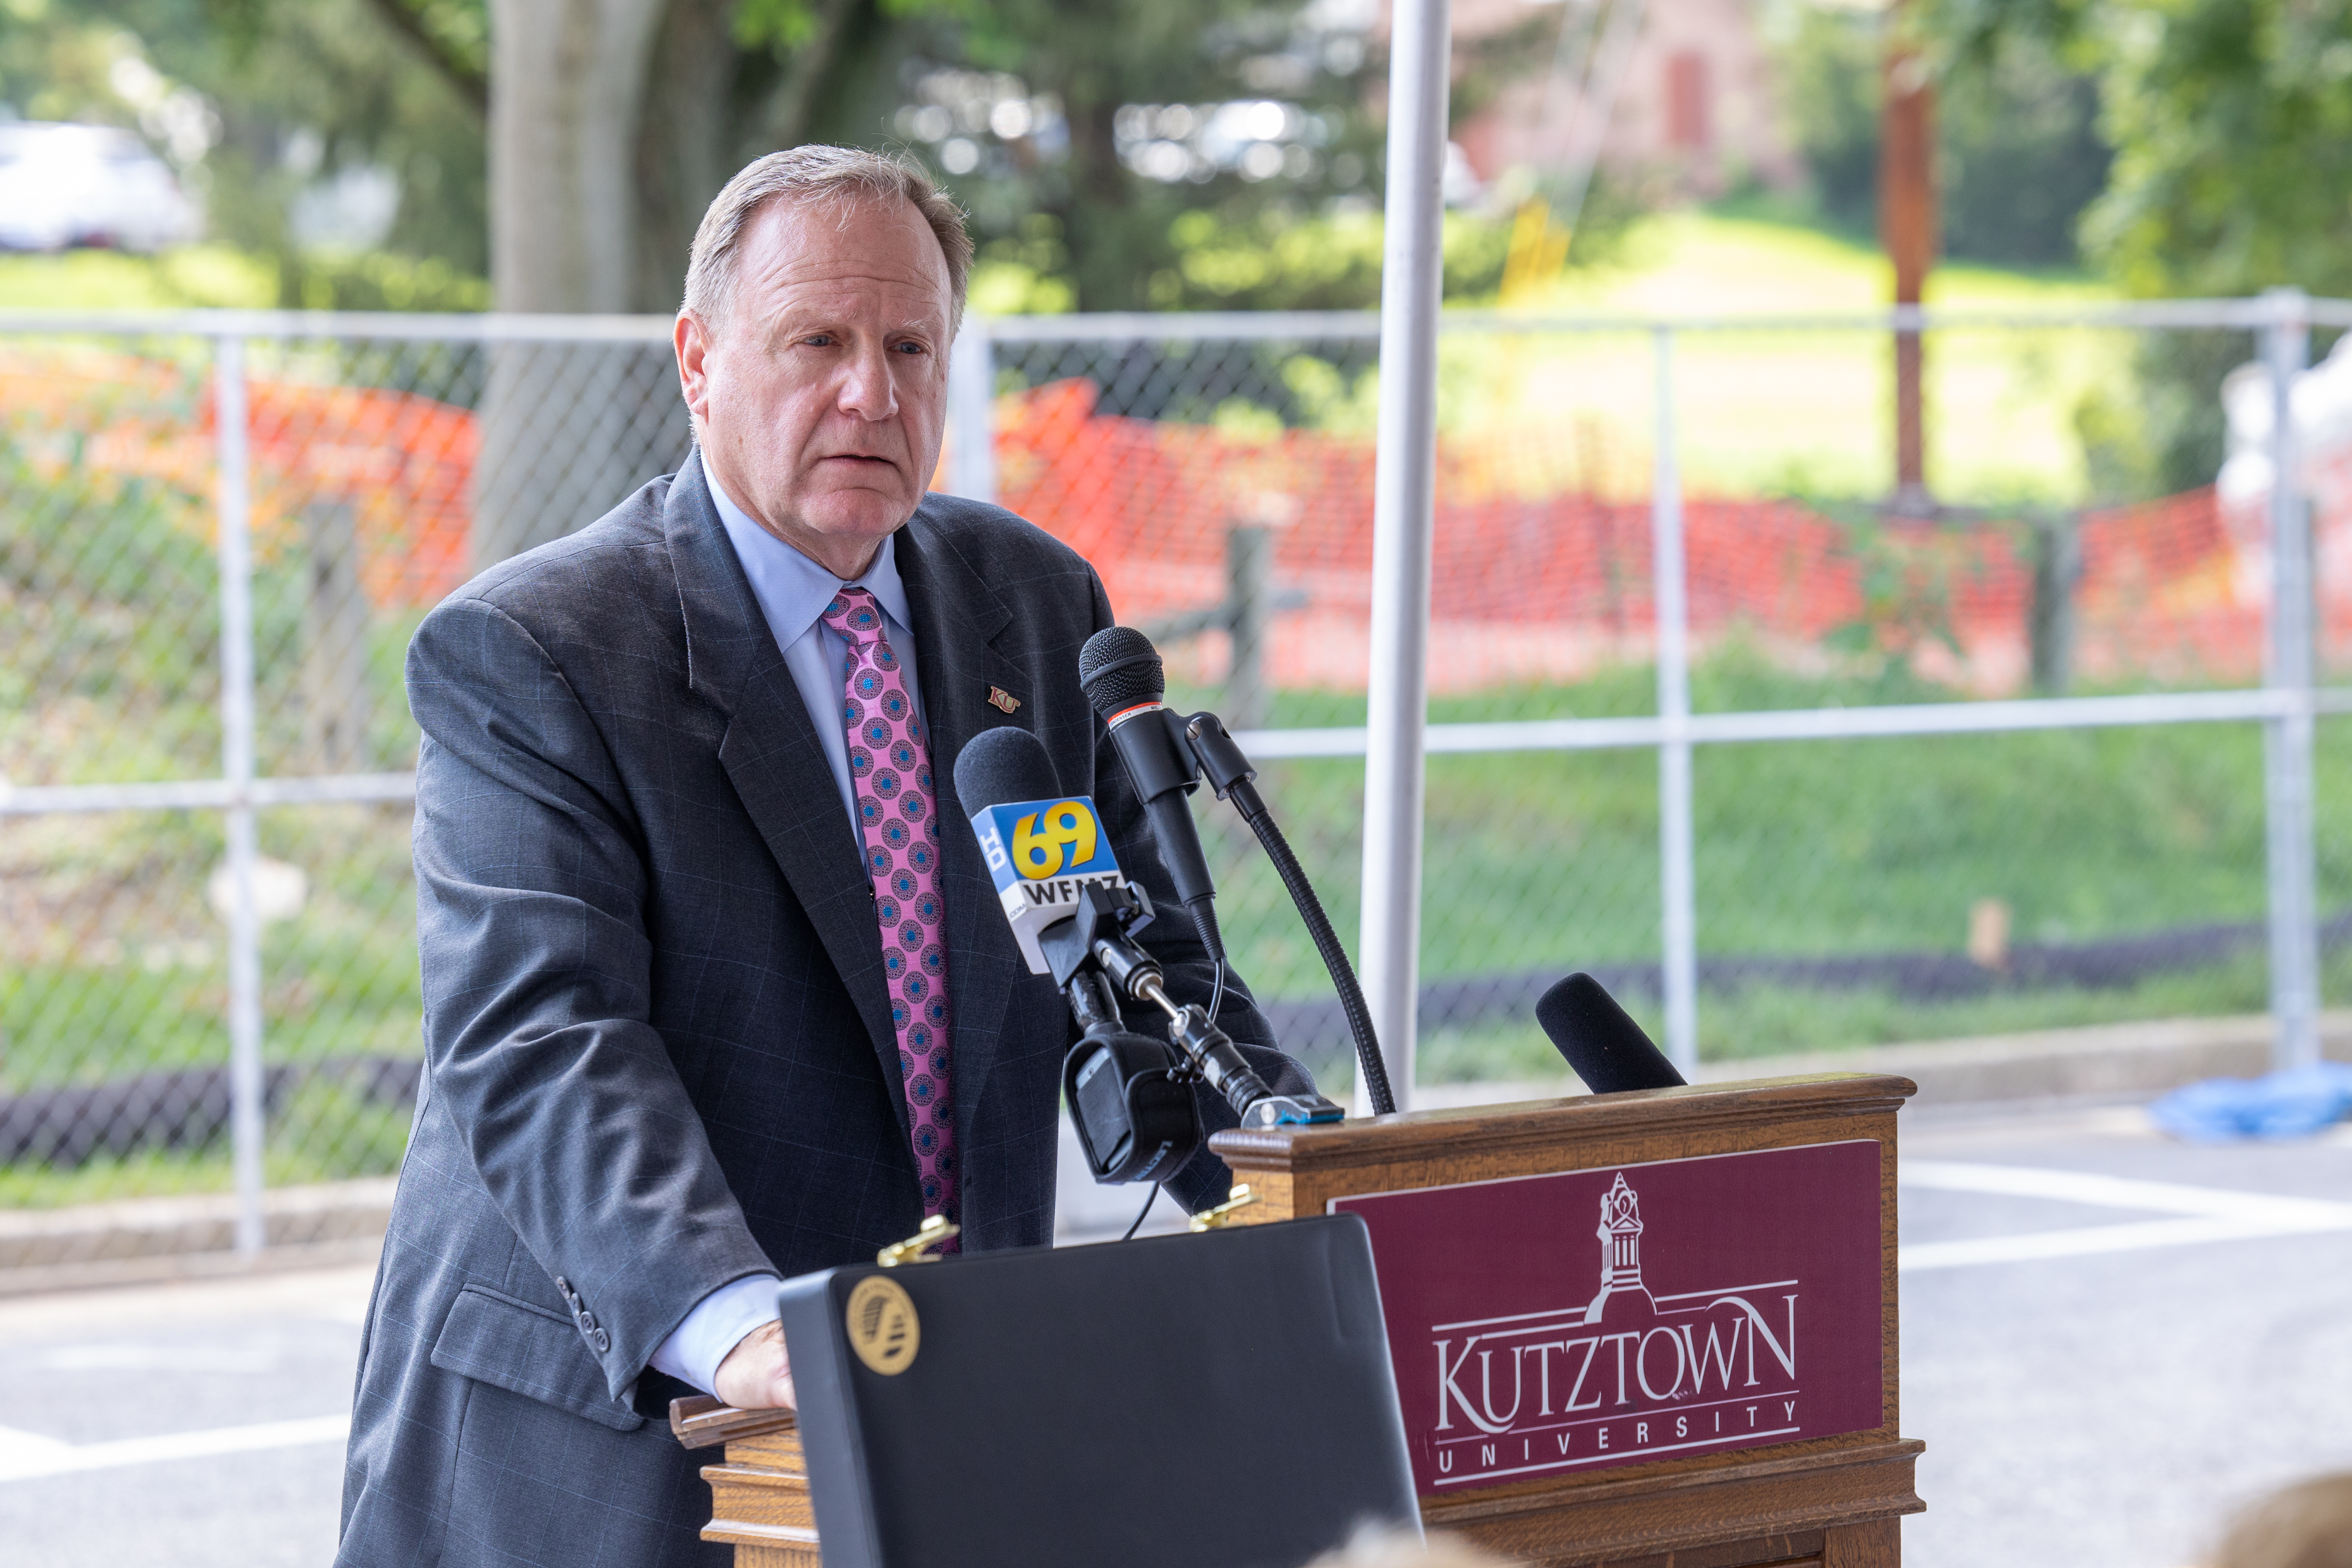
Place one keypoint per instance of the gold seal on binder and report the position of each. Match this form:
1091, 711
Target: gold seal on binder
883, 1327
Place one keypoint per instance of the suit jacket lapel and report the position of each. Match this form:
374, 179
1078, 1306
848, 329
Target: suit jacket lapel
772, 755
956, 618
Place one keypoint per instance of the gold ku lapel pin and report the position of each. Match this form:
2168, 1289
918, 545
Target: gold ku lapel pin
1000, 698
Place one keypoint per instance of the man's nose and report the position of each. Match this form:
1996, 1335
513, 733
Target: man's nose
868, 390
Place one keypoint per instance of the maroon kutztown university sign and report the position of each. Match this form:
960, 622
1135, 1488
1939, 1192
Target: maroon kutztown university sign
1544, 1325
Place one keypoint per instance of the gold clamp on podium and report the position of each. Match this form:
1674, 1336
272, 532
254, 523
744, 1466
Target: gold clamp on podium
1217, 1218
917, 1248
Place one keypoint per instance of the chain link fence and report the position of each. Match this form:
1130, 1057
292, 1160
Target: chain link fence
2032, 755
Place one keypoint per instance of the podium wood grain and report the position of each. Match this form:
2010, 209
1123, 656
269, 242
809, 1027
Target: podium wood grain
1830, 1502
760, 1493
1837, 1500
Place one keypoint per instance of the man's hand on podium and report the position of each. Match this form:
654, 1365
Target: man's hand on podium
757, 1374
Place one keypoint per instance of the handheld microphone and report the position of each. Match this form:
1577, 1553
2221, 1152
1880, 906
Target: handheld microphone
1130, 1097
1603, 1044
1043, 847
1121, 672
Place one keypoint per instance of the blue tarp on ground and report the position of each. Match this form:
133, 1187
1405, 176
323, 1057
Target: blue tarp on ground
2294, 1103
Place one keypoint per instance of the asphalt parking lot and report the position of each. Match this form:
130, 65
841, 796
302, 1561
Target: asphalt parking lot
2109, 1341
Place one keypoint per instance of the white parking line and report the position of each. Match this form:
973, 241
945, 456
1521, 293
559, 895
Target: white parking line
26, 1455
2201, 1215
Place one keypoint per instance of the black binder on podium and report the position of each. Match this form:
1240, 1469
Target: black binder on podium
1216, 1400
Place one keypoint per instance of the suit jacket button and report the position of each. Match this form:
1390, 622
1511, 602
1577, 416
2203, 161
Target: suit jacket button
604, 1342
563, 1286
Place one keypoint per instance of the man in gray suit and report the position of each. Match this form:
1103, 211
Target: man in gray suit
710, 1000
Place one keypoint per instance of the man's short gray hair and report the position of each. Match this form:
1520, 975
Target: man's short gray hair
808, 174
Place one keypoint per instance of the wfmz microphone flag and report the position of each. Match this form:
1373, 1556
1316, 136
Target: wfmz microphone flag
1041, 854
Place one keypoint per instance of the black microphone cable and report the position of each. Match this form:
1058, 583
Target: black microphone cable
1230, 774
1149, 1199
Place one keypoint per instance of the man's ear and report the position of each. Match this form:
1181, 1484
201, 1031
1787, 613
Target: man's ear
692, 341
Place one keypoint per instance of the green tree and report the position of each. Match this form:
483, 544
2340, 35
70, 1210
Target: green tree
1123, 116
2019, 152
276, 105
2232, 125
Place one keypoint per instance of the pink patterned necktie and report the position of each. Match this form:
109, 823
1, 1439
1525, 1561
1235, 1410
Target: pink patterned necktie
890, 769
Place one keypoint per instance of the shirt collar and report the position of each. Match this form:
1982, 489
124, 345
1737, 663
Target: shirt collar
794, 590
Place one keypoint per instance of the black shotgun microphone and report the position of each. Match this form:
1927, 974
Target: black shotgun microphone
1121, 672
1607, 1049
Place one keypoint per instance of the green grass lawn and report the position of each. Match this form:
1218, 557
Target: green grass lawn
1548, 862
193, 276
1773, 411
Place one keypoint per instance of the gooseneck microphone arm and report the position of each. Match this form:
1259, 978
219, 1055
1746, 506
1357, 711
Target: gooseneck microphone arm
1229, 773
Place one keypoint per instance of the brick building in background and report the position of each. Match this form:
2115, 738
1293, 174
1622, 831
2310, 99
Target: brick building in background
1695, 100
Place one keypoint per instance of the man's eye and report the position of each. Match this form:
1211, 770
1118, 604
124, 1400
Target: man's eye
910, 348
818, 339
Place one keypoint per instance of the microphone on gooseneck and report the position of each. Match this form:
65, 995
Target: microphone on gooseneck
1074, 917
1607, 1049
1121, 672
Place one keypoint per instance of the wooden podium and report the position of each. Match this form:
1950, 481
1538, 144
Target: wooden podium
759, 1490
1810, 1502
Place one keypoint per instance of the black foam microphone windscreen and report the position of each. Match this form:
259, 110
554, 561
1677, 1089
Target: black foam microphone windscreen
1002, 766
1118, 668
1607, 1049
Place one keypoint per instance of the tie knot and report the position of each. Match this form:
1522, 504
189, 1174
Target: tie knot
856, 614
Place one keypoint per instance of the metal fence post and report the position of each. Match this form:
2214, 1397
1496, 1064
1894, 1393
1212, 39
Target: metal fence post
234, 500
1404, 517
1678, 916
1249, 588
971, 413
2287, 739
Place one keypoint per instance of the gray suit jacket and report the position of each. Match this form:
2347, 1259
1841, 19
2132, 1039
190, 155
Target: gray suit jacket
658, 1051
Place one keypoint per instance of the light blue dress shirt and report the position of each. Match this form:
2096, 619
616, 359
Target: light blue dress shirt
792, 591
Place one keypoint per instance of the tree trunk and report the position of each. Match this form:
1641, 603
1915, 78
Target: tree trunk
1906, 221
567, 84
567, 430
612, 123
1108, 266
685, 152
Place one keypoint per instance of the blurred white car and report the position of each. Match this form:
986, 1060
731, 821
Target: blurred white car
64, 186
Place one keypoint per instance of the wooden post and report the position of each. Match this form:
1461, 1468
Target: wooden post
1249, 582
336, 709
1906, 220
